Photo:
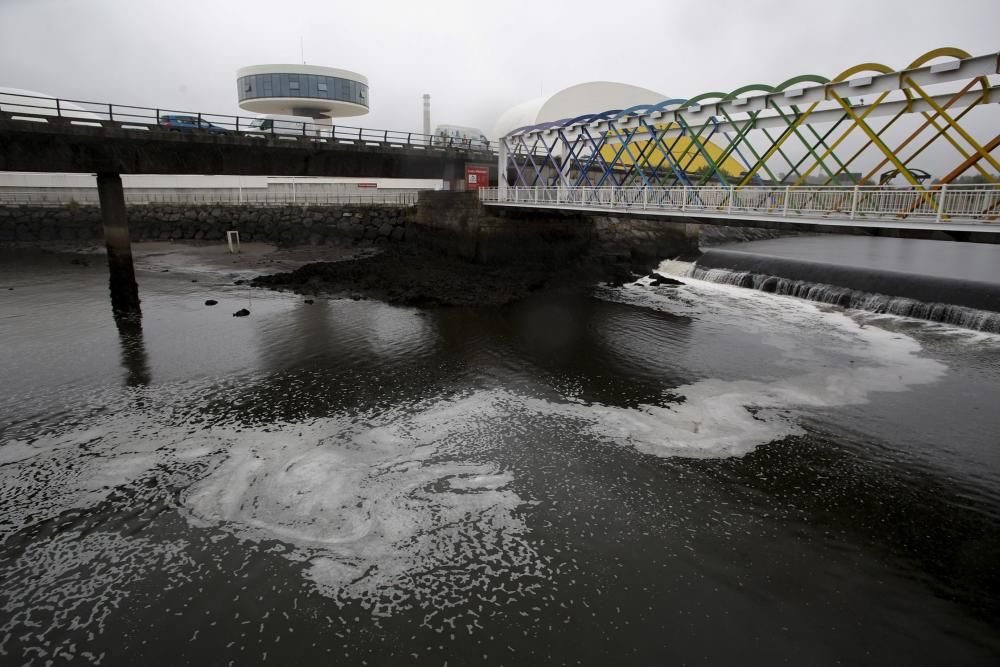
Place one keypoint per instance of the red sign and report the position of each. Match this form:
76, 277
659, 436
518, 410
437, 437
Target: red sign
476, 177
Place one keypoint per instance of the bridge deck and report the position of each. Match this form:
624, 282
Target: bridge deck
50, 144
955, 209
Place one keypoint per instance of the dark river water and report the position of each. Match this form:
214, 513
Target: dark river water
703, 474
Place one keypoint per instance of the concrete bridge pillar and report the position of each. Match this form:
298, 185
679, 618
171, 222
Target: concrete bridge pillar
124, 290
454, 182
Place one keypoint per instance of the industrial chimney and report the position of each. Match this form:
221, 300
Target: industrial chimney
427, 114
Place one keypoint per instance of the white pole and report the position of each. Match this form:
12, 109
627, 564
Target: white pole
427, 114
940, 203
854, 202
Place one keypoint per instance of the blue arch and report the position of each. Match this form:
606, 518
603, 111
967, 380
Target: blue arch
636, 110
610, 114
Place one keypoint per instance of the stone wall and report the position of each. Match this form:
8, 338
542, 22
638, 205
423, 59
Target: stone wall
286, 225
449, 223
457, 224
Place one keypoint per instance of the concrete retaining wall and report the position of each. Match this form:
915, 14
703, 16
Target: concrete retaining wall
451, 223
288, 225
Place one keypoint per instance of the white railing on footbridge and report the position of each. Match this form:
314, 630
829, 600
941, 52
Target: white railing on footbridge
936, 204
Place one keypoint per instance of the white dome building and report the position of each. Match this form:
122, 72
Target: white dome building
19, 100
583, 98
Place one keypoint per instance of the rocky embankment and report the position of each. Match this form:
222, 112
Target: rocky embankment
408, 278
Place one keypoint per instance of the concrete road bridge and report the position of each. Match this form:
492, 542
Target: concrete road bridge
854, 151
44, 134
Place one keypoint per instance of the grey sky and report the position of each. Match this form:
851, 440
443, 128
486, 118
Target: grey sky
476, 59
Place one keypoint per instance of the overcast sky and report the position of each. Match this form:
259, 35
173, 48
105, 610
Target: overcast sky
475, 57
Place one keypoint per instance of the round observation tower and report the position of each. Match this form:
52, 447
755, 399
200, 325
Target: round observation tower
320, 93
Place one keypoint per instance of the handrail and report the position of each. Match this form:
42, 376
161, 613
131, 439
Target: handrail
83, 112
948, 203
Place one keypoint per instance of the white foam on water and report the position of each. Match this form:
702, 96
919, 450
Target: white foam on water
844, 363
71, 583
370, 506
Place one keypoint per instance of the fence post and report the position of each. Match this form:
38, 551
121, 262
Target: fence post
58, 109
111, 112
940, 203
732, 194
684, 202
788, 192
199, 120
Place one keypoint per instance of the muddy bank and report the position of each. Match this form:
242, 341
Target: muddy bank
428, 275
419, 279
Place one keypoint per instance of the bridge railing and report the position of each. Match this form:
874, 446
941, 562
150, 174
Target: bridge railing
947, 203
40, 109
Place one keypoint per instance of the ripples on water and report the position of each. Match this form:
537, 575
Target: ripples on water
693, 473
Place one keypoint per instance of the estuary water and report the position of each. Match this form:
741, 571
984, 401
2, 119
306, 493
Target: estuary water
694, 474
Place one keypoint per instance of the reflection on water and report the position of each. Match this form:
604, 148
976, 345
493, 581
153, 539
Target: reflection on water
658, 474
134, 357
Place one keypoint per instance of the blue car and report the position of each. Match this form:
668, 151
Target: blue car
185, 123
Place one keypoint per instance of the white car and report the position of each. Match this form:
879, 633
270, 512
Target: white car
460, 137
285, 126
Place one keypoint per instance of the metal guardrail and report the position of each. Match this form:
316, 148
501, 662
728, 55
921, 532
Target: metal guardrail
956, 203
81, 112
217, 196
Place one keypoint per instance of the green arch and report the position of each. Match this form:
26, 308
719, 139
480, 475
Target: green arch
704, 96
802, 78
762, 87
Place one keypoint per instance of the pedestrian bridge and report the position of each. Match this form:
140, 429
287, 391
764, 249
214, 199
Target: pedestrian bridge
874, 146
